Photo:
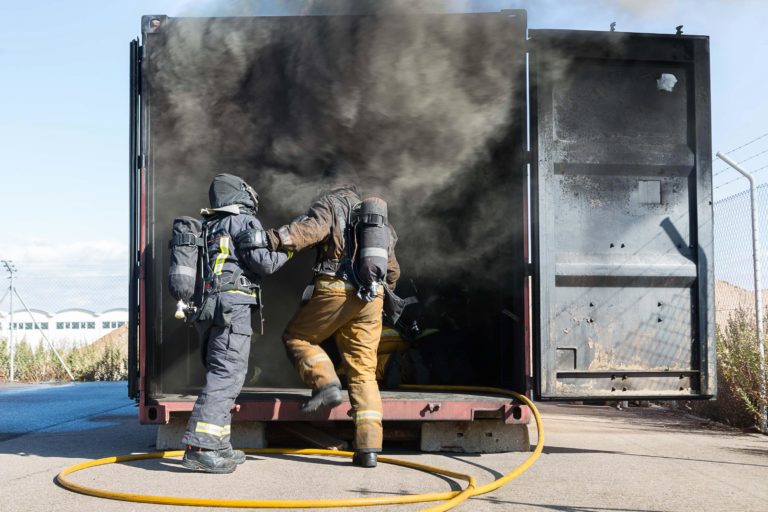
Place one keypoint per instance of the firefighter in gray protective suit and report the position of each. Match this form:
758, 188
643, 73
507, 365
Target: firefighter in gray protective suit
236, 257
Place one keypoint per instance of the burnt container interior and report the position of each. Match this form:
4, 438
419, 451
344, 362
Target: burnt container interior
429, 110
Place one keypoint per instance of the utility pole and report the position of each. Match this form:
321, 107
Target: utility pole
11, 269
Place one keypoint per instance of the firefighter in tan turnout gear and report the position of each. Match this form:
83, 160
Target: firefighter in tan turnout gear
355, 260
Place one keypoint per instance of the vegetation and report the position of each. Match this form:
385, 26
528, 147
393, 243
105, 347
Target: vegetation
738, 374
90, 362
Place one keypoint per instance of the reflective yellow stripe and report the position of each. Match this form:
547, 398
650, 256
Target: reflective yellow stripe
251, 294
218, 266
340, 285
388, 332
211, 429
427, 332
368, 415
334, 285
315, 359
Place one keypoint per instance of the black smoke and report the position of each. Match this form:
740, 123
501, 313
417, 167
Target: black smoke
421, 105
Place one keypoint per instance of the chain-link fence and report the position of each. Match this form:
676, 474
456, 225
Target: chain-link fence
740, 377
78, 310
734, 277
70, 309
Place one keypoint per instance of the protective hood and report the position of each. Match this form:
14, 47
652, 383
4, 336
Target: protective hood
227, 189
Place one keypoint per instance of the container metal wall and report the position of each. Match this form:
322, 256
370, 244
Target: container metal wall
624, 234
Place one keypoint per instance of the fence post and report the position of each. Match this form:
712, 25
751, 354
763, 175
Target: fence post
758, 288
11, 269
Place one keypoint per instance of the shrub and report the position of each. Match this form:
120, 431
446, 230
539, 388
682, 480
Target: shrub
80, 360
738, 370
5, 359
90, 362
110, 366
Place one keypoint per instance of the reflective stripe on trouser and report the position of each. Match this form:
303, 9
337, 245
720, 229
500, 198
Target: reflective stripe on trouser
226, 359
334, 309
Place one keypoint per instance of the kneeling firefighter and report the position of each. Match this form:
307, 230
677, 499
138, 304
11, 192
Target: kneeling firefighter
355, 263
220, 260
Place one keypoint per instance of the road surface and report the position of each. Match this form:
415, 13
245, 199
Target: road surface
596, 459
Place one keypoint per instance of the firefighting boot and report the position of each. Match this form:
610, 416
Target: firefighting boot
236, 455
324, 398
364, 459
209, 461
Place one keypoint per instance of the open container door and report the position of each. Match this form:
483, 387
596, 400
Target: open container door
134, 188
622, 216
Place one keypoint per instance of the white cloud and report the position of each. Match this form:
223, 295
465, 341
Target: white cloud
96, 255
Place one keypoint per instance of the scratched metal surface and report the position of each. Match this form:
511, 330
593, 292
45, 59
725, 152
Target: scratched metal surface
624, 230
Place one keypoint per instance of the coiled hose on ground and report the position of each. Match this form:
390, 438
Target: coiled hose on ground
450, 499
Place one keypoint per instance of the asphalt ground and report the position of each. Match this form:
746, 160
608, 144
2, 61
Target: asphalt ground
596, 459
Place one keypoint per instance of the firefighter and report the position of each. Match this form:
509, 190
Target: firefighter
338, 308
237, 257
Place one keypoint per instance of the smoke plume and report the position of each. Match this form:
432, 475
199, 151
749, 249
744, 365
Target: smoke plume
415, 103
420, 105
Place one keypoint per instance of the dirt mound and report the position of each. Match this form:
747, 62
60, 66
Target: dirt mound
729, 298
117, 338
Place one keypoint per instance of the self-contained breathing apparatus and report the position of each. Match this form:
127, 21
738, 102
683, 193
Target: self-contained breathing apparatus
366, 255
192, 279
367, 247
185, 247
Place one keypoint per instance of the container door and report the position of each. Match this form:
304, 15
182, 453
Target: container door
133, 187
622, 215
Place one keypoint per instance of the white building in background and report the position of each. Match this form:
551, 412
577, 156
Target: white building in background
66, 328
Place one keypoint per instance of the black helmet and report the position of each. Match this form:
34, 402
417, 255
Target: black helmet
227, 189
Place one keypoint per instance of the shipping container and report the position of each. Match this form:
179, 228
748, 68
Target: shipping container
551, 190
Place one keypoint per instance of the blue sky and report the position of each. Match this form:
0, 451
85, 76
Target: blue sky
64, 99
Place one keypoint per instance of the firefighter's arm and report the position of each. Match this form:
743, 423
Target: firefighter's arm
254, 253
265, 262
306, 231
393, 267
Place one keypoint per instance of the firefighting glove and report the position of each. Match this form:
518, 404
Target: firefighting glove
273, 240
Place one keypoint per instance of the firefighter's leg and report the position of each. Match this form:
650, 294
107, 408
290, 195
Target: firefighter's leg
312, 324
226, 366
358, 341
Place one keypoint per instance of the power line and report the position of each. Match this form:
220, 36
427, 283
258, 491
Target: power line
739, 177
721, 171
744, 145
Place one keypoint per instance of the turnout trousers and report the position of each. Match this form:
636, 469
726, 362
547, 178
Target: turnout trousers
335, 310
225, 352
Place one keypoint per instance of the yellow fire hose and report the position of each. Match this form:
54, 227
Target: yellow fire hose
450, 499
